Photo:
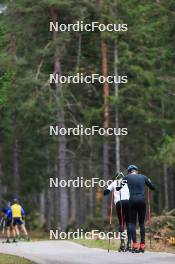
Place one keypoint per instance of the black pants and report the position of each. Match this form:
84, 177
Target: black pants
122, 209
137, 209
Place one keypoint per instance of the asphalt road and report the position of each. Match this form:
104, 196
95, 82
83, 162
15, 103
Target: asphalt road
64, 252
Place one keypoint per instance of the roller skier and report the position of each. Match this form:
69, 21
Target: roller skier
121, 201
137, 204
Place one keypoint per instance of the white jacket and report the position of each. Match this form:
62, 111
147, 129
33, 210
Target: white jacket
123, 194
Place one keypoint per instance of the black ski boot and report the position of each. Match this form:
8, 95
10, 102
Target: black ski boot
122, 246
14, 241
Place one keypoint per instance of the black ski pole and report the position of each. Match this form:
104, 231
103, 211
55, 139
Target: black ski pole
149, 217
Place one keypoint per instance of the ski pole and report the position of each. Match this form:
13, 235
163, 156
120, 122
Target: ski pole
149, 216
110, 217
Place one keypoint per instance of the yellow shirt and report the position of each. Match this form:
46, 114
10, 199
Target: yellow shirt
16, 211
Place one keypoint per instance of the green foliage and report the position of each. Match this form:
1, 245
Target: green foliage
146, 55
5, 81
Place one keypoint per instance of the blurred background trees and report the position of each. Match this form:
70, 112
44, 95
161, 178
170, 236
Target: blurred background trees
29, 104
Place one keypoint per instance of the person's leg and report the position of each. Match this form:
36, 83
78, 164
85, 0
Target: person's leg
141, 217
119, 210
24, 230
126, 213
133, 219
8, 234
14, 230
17, 231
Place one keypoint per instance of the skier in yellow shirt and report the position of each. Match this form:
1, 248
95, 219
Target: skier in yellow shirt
18, 214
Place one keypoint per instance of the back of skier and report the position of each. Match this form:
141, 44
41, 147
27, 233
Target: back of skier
121, 201
137, 203
8, 220
17, 219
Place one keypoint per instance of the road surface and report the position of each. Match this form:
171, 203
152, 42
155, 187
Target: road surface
64, 252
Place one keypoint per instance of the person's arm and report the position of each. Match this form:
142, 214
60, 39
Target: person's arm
22, 212
149, 183
109, 189
9, 213
106, 192
123, 182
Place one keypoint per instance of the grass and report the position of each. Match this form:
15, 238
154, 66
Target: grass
9, 259
103, 244
114, 245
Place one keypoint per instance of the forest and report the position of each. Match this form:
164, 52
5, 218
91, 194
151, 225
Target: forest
30, 104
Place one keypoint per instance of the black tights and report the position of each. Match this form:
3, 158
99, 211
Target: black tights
137, 208
122, 209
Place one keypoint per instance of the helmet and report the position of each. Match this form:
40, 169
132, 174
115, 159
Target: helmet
132, 167
15, 200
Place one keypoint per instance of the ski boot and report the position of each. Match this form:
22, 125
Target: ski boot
14, 240
135, 248
7, 241
128, 248
122, 246
142, 247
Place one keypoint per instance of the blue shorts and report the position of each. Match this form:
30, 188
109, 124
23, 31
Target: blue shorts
8, 222
17, 221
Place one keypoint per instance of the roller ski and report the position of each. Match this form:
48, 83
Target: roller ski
135, 248
122, 247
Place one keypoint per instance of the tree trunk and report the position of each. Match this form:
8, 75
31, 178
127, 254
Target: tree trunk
15, 151
42, 208
92, 192
1, 175
106, 112
73, 208
165, 169
117, 138
165, 177
16, 165
61, 122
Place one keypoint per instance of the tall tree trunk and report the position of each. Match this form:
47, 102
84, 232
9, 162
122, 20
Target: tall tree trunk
1, 175
16, 175
82, 201
165, 169
42, 208
64, 209
16, 165
106, 111
92, 192
165, 178
49, 209
117, 138
73, 207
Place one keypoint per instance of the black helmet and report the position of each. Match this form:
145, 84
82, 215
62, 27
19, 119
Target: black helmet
132, 167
